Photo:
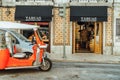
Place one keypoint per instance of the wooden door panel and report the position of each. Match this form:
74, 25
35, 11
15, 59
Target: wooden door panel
73, 37
98, 38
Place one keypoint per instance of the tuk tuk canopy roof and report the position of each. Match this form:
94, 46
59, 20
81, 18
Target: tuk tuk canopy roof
15, 25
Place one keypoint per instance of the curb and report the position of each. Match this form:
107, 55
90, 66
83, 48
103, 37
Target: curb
85, 61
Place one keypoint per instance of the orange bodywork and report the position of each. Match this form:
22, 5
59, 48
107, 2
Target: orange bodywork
4, 57
6, 61
41, 43
14, 62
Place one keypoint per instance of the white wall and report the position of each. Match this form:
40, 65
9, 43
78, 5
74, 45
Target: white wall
61, 1
116, 47
8, 2
116, 0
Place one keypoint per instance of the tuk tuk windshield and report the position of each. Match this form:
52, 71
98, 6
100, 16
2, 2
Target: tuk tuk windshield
20, 36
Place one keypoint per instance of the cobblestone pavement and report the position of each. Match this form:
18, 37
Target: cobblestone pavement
66, 71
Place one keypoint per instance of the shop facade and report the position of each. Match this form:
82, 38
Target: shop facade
105, 39
99, 16
88, 24
30, 15
36, 15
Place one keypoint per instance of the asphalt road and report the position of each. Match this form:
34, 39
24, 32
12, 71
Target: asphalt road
66, 71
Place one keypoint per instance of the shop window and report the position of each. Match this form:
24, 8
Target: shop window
44, 32
118, 27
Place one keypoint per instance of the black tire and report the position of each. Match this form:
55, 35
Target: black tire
48, 64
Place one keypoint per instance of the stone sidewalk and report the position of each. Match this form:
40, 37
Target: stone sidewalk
85, 57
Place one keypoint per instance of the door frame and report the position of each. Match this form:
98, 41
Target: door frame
73, 37
96, 49
98, 38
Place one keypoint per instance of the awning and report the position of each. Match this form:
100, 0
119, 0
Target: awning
33, 13
88, 13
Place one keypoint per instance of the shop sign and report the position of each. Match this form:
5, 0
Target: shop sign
87, 19
32, 18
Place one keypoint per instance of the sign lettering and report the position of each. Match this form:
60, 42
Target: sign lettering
86, 19
32, 18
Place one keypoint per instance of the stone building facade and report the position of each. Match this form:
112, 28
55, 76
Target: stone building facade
109, 42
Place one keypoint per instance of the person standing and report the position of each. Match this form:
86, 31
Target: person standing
84, 38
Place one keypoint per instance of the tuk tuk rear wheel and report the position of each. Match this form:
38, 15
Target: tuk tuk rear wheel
47, 66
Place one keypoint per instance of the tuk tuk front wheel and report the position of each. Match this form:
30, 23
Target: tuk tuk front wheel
46, 65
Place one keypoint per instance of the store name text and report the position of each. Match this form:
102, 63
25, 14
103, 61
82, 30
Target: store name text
86, 19
31, 18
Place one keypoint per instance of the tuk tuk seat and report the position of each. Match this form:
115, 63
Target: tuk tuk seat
19, 55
